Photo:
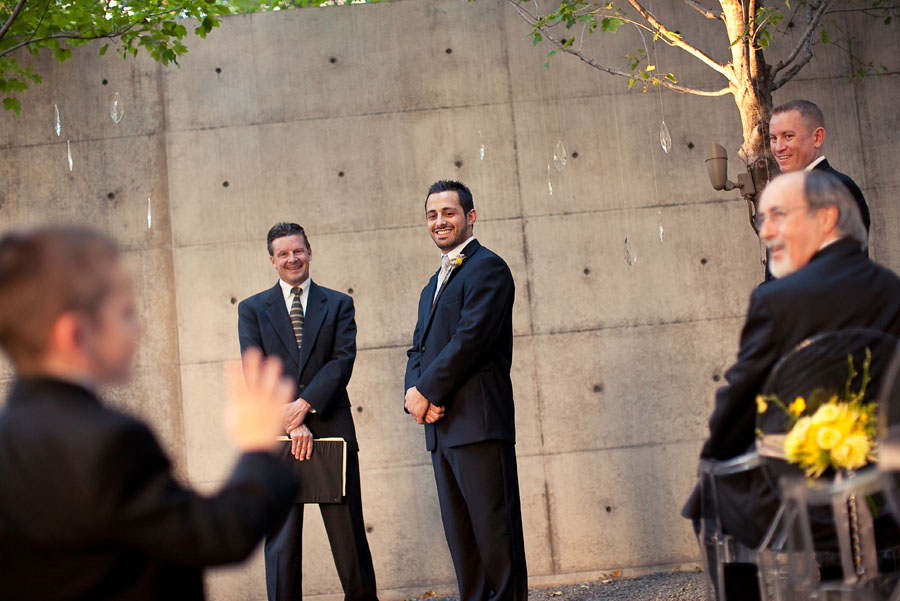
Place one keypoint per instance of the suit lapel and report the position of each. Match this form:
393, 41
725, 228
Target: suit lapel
277, 313
470, 249
316, 310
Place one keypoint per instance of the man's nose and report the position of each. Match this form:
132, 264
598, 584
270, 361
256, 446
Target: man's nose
767, 230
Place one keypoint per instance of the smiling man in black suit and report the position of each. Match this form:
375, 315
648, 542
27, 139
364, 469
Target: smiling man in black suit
458, 385
313, 331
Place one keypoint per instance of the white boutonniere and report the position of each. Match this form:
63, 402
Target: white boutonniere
456, 262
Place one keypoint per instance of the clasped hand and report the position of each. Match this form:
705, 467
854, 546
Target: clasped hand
420, 408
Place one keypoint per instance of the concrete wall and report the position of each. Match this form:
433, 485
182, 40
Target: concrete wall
339, 119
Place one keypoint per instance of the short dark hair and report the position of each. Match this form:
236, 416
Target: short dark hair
822, 190
462, 193
45, 272
282, 229
809, 111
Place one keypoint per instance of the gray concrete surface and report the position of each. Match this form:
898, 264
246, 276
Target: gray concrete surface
615, 365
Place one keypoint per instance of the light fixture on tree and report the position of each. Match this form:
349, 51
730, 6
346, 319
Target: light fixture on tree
717, 170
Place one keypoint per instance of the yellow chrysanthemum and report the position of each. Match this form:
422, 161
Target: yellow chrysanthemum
761, 404
828, 438
798, 406
826, 413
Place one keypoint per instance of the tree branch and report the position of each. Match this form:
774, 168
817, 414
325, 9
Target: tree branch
531, 20
804, 44
12, 17
75, 36
675, 40
703, 10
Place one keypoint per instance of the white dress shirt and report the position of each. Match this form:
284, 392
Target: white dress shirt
289, 296
452, 254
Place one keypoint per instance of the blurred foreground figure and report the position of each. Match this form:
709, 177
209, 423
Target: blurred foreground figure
89, 508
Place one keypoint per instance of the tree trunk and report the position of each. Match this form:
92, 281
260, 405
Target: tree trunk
751, 88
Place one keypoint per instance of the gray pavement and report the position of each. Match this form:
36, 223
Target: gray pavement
661, 586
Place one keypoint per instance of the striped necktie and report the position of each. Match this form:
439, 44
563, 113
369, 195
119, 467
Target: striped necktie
297, 316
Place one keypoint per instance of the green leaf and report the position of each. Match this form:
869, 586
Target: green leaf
887, 20
103, 50
12, 104
671, 77
610, 24
824, 36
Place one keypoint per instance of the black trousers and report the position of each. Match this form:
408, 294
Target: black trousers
346, 535
478, 489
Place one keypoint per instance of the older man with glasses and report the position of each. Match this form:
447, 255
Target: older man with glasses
813, 230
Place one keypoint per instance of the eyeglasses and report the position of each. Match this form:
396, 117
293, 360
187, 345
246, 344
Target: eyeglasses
776, 216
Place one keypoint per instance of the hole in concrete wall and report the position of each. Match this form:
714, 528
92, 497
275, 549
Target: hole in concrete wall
599, 387
105, 82
716, 377
690, 145
225, 184
111, 195
608, 509
587, 271
458, 164
349, 290
369, 529
703, 261
359, 409
332, 60
218, 69
449, 50
340, 174
575, 154
233, 299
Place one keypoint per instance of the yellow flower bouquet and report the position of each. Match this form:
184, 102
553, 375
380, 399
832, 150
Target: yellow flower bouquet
838, 433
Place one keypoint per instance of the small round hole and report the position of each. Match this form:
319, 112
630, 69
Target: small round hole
218, 69
332, 60
608, 509
598, 387
105, 82
449, 50
587, 271
233, 300
716, 377
575, 154
340, 174
349, 290
703, 261
225, 184
690, 145
458, 164
111, 195
359, 410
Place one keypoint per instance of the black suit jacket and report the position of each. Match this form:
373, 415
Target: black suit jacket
89, 508
839, 288
462, 351
852, 187
323, 368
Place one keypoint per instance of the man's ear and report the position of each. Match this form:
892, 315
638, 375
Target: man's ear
470, 217
819, 136
67, 335
828, 217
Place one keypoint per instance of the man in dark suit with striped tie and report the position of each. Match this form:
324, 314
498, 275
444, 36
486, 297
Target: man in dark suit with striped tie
313, 330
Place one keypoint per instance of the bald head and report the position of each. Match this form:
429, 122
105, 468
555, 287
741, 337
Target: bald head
799, 213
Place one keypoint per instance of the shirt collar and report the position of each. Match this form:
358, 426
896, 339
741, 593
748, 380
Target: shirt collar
812, 165
286, 288
458, 250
